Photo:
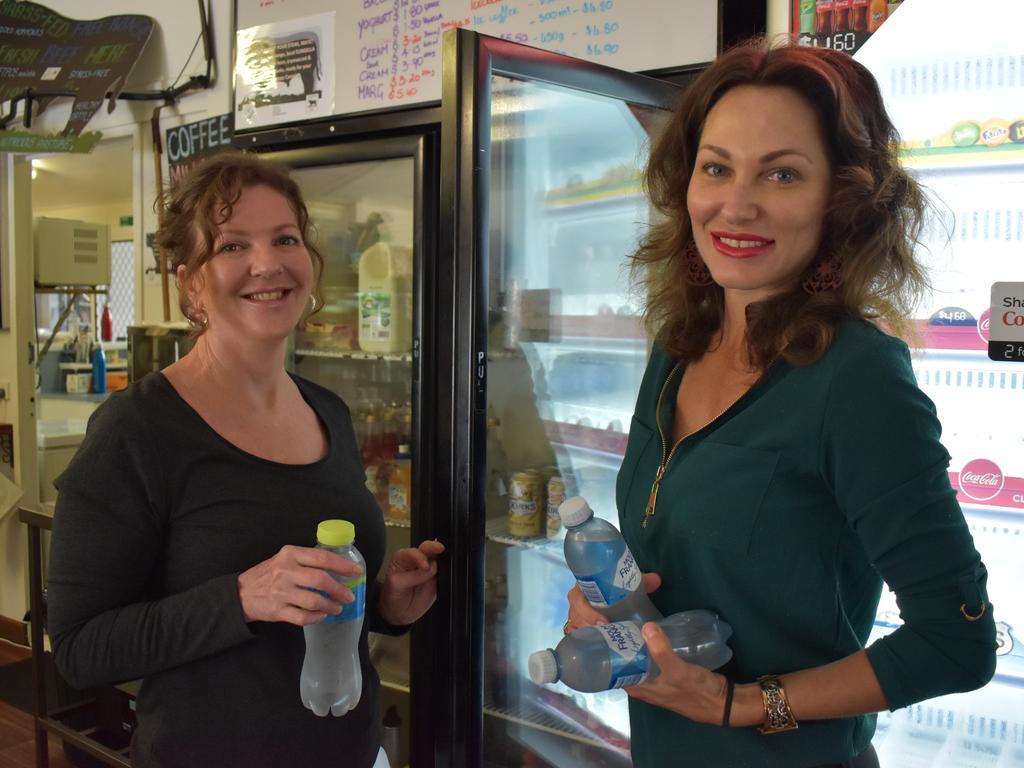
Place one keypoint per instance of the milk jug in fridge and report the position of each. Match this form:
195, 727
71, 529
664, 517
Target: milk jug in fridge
385, 298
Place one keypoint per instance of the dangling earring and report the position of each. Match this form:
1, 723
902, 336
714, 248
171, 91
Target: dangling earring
697, 272
312, 303
827, 275
197, 319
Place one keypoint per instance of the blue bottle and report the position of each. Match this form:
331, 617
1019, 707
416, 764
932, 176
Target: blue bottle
607, 656
603, 566
99, 371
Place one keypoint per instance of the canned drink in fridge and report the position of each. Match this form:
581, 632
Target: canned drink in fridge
524, 503
556, 495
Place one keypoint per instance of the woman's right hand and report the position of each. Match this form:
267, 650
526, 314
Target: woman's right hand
280, 589
583, 614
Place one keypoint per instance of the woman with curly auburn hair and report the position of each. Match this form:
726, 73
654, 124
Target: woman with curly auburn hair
183, 541
782, 462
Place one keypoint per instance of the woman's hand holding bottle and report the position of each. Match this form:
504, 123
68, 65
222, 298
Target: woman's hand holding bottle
294, 586
583, 614
687, 689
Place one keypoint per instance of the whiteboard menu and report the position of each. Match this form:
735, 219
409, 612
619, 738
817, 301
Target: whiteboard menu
387, 53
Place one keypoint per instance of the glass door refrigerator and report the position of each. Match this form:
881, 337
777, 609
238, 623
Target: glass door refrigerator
954, 84
372, 203
542, 203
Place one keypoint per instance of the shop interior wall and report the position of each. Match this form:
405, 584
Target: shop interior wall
175, 31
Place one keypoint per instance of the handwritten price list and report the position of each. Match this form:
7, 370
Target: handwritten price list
400, 40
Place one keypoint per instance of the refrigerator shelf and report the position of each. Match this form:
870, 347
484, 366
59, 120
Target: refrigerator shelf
589, 201
355, 354
497, 530
600, 326
543, 720
602, 441
964, 160
581, 331
395, 686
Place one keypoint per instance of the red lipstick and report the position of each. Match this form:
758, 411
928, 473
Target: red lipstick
740, 245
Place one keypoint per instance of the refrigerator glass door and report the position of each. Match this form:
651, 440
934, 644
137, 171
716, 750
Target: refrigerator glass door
359, 345
541, 156
565, 356
950, 82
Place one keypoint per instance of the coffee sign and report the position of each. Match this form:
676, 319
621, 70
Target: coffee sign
188, 144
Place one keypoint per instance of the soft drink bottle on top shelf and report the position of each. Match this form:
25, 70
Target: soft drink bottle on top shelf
614, 655
603, 566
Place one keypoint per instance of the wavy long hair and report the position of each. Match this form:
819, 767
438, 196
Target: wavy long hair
199, 204
873, 219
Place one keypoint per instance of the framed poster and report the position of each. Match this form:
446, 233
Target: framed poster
284, 72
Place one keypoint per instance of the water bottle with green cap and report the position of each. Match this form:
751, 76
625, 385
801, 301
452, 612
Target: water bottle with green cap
331, 679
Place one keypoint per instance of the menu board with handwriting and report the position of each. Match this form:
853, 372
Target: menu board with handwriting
388, 52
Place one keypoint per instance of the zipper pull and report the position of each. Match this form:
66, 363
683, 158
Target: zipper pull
652, 500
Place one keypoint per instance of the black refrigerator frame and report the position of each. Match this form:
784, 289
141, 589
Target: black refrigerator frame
469, 60
410, 134
449, 368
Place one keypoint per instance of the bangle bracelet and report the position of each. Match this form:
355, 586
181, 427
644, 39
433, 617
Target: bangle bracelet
778, 715
730, 688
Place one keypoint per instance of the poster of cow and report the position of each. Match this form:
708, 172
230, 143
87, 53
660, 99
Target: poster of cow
280, 72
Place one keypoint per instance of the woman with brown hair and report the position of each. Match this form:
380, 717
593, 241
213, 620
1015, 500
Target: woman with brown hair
183, 534
781, 461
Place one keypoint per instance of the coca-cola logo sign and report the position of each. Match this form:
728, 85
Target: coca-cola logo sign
983, 323
981, 479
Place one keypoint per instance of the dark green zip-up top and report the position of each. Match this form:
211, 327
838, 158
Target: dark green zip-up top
784, 515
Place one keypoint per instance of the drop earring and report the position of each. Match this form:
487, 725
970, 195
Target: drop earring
827, 275
697, 272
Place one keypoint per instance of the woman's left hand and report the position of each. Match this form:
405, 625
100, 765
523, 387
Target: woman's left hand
686, 689
410, 586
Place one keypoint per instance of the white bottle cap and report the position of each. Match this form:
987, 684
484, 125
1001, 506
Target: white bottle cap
574, 511
543, 667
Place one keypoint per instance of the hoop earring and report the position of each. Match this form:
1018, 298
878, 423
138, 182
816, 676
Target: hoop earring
312, 303
826, 276
197, 319
697, 272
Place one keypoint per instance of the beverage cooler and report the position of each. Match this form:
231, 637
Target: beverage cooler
541, 157
954, 84
371, 195
478, 323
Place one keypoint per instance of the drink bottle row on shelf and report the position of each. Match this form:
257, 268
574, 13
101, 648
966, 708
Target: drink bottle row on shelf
830, 17
384, 435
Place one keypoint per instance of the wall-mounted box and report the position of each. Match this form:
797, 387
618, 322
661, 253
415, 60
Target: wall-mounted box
71, 252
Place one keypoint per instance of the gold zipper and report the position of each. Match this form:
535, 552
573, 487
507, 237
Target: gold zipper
652, 499
666, 456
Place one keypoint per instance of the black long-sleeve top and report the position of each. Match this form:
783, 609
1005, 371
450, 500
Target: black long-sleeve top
156, 517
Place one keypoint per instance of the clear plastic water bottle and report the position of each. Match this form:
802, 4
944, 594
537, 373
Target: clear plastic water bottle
603, 566
331, 679
614, 655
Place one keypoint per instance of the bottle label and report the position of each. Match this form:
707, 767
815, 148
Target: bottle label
590, 589
375, 315
629, 659
355, 609
398, 500
613, 584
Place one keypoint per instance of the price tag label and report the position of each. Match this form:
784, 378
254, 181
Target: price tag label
847, 41
1006, 323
